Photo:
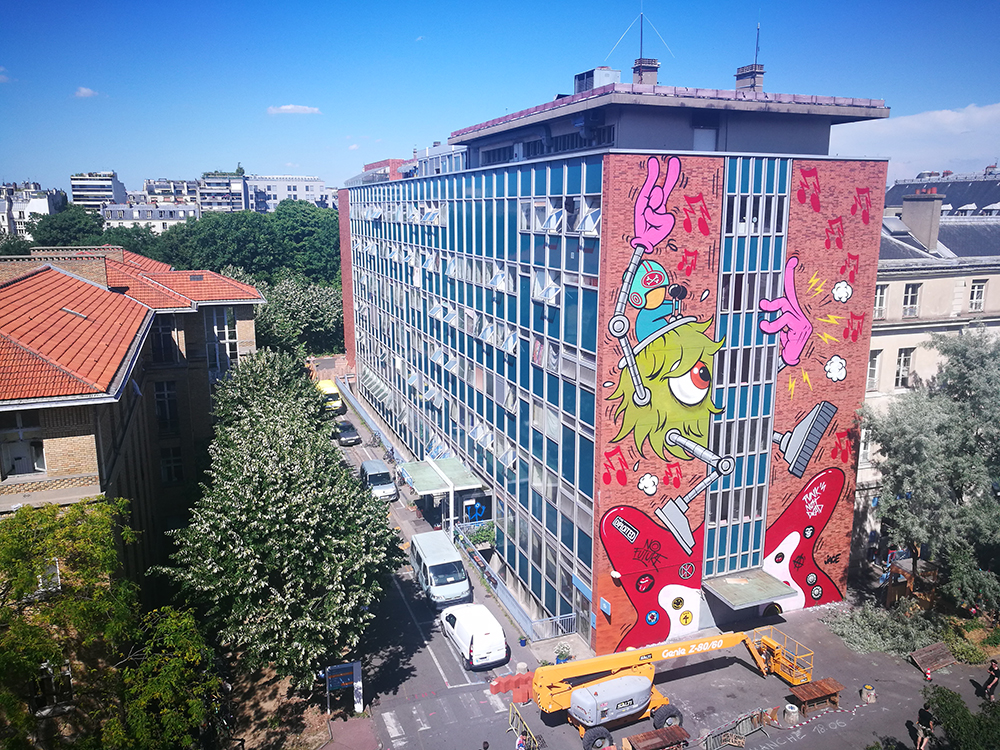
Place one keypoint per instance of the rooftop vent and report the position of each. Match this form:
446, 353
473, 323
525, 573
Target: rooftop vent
594, 79
196, 277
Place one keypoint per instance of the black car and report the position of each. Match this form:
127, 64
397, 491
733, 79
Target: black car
346, 434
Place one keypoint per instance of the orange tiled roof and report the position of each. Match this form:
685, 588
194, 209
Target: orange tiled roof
24, 374
75, 327
146, 264
206, 286
131, 281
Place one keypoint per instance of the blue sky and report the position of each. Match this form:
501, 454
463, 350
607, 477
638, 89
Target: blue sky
154, 90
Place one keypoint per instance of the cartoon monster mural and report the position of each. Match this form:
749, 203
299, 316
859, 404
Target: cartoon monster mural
663, 405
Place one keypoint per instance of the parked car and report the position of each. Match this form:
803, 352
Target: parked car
346, 434
477, 635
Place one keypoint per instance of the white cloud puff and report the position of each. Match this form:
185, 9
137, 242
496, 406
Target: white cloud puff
842, 291
83, 92
293, 109
3, 77
836, 368
353, 147
962, 140
648, 484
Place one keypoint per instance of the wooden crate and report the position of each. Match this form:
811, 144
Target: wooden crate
668, 738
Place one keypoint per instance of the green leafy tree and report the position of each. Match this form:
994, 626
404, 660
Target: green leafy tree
88, 616
13, 245
73, 226
310, 239
286, 550
141, 240
300, 317
964, 729
939, 461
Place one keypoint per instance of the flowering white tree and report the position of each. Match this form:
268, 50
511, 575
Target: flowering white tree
286, 550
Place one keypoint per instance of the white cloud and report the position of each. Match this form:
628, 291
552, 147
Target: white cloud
962, 140
419, 39
83, 92
293, 109
291, 164
353, 147
3, 78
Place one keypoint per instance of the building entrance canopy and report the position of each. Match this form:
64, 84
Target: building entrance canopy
425, 481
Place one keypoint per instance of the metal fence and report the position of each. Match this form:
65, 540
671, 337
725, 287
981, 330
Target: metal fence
536, 630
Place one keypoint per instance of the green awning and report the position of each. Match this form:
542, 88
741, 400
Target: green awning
747, 588
425, 481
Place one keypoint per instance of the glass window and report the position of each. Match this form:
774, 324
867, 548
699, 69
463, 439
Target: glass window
551, 518
977, 296
873, 363
584, 547
567, 530
568, 454
586, 482
570, 314
904, 360
588, 320
167, 417
587, 407
880, 294
911, 301
536, 510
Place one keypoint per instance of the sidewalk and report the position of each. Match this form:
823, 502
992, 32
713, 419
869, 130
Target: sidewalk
353, 734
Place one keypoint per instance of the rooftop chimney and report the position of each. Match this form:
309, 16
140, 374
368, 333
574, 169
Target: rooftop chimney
645, 70
750, 77
922, 215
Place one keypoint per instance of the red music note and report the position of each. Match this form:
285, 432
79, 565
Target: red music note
835, 233
672, 474
620, 473
854, 326
809, 186
843, 447
862, 200
851, 266
689, 261
696, 202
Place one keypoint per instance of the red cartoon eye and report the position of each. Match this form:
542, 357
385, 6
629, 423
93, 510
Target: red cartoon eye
692, 387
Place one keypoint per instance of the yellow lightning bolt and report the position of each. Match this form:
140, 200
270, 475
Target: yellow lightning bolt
805, 377
815, 285
791, 388
827, 338
831, 318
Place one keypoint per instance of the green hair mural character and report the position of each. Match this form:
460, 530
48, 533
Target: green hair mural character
676, 368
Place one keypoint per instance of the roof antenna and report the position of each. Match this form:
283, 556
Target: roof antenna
757, 48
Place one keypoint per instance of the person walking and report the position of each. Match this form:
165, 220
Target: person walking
991, 683
925, 727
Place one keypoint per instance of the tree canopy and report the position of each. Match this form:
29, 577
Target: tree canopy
939, 460
137, 682
73, 226
286, 551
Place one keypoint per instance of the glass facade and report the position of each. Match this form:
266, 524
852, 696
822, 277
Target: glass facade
475, 310
751, 269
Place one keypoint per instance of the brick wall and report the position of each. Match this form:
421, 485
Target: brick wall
70, 455
90, 268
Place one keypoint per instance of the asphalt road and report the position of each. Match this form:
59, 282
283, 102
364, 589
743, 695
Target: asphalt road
422, 698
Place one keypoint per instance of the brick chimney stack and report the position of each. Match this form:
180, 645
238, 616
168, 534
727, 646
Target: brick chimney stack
922, 216
645, 70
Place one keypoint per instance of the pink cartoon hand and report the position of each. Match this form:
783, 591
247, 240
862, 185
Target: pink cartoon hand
792, 326
652, 220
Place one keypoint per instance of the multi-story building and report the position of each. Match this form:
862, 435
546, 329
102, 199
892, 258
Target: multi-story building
107, 362
19, 202
640, 314
973, 194
223, 191
93, 189
158, 217
168, 191
386, 170
938, 272
270, 190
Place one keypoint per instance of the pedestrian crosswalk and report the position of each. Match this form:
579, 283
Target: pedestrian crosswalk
404, 723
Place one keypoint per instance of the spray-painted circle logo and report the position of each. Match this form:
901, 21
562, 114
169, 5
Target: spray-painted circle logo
808, 531
817, 592
644, 583
780, 557
810, 579
652, 617
686, 570
677, 603
686, 617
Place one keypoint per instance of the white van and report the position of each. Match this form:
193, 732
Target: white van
477, 635
438, 568
376, 477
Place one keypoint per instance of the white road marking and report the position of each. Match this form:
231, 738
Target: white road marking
473, 710
423, 633
495, 701
420, 716
394, 729
446, 713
